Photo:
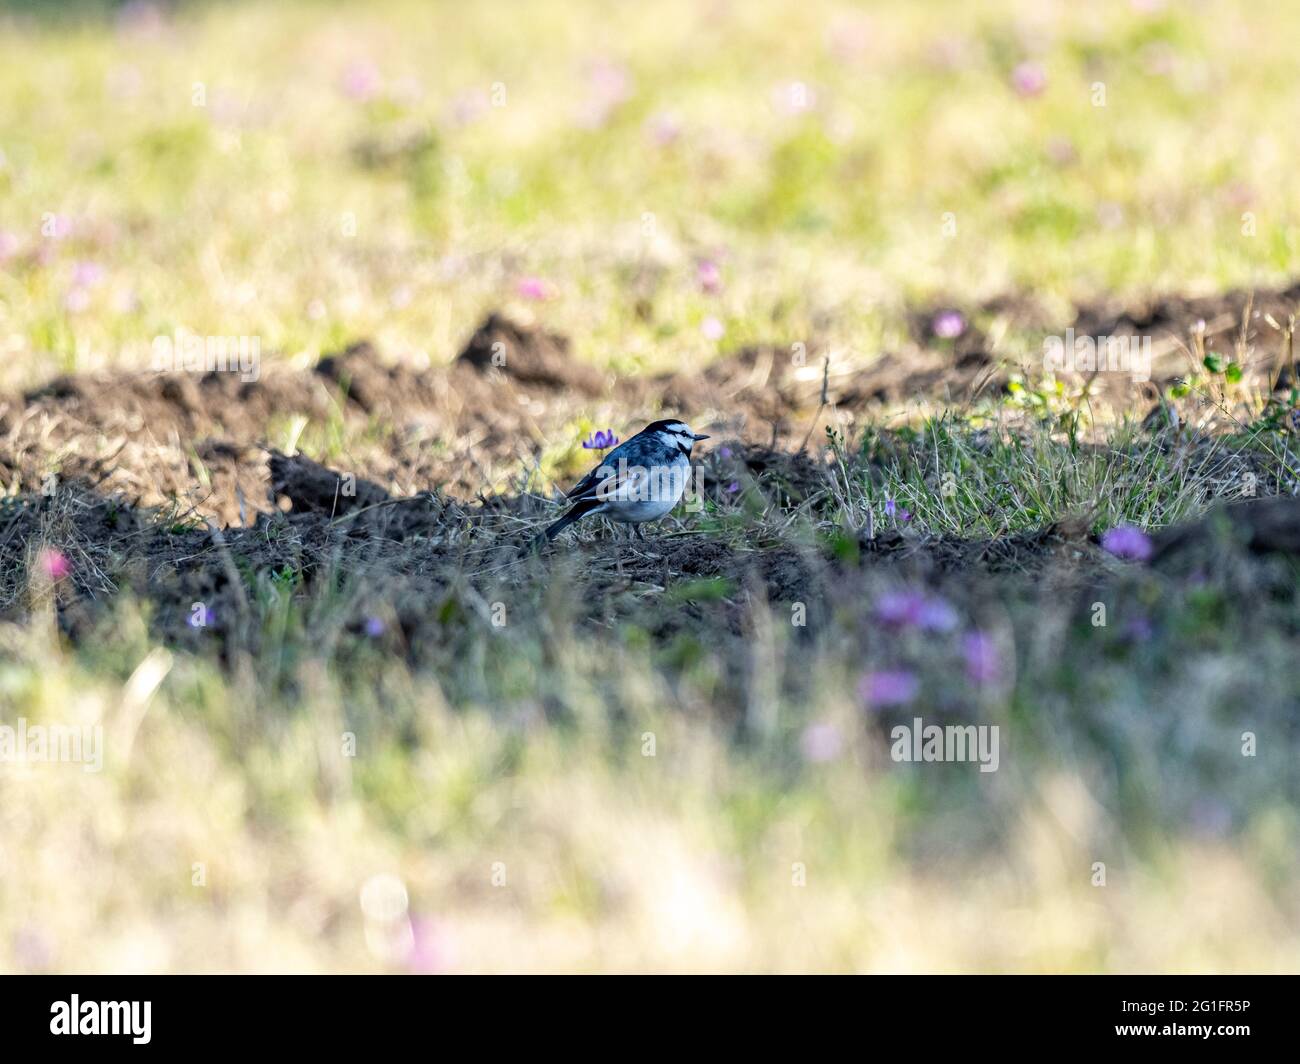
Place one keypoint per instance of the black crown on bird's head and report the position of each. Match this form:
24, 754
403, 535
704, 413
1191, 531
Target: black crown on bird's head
674, 427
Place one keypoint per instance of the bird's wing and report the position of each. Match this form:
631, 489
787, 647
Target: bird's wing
606, 484
587, 485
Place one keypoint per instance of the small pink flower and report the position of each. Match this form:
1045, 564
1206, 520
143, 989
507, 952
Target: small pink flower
87, 274
821, 742
470, 106
53, 563
713, 329
888, 687
848, 39
533, 288
1159, 59
948, 325
361, 81
32, 948
1029, 79
431, 951
609, 81
609, 85
9, 244
1061, 151
709, 275
76, 300
663, 129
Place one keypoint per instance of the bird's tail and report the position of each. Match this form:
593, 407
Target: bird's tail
580, 509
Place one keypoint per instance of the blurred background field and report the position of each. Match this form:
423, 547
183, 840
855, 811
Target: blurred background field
663, 184
393, 170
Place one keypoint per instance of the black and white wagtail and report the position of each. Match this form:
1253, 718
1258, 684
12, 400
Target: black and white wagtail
640, 480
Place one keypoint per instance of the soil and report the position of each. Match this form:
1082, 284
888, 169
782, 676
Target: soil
166, 485
199, 443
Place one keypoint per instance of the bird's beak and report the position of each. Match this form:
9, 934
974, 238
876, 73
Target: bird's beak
698, 437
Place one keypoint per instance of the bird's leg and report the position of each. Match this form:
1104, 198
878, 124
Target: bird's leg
639, 534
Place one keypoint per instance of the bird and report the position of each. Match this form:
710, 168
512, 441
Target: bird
640, 480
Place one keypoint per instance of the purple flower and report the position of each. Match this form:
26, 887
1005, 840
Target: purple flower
948, 325
912, 609
936, 615
710, 277
888, 687
533, 288
1029, 79
1210, 816
725, 452
712, 329
892, 509
821, 742
361, 81
374, 627
733, 487
1139, 628
983, 664
601, 440
1125, 541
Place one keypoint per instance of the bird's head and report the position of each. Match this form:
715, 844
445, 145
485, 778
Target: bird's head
675, 433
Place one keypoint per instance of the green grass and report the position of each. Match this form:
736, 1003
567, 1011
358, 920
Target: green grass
285, 209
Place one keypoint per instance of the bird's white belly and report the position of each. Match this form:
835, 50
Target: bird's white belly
635, 512
647, 495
